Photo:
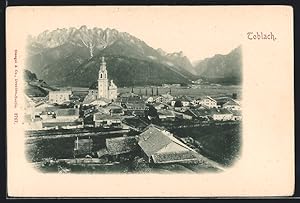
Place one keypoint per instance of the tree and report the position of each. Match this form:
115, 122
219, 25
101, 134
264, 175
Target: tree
234, 95
152, 111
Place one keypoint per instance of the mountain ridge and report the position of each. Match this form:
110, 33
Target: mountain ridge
56, 55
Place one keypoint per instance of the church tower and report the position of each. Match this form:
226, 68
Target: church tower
103, 81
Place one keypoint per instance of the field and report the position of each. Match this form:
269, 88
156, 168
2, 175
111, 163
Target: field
220, 143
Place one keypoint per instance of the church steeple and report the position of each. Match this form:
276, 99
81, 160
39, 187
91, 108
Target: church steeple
103, 85
102, 71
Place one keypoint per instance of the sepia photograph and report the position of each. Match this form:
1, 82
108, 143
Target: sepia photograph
100, 100
144, 91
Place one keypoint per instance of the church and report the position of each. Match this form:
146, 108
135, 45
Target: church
106, 91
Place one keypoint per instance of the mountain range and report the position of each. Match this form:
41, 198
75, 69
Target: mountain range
224, 69
71, 57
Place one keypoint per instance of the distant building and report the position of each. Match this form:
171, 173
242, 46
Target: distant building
164, 98
232, 105
159, 106
160, 146
221, 114
136, 109
61, 124
67, 114
166, 115
107, 121
127, 98
209, 102
60, 97
106, 91
202, 114
184, 100
236, 115
115, 110
152, 99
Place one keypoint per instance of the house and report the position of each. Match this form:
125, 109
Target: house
209, 102
159, 106
232, 105
166, 115
60, 96
160, 146
41, 106
136, 109
197, 101
202, 114
185, 101
106, 121
236, 115
166, 98
94, 100
62, 124
67, 114
44, 111
221, 114
115, 109
46, 115
152, 99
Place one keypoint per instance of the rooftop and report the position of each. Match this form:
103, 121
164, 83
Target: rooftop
154, 139
101, 116
67, 112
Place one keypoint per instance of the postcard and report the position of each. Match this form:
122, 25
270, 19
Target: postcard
150, 101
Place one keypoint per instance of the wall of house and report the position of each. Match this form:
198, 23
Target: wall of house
59, 97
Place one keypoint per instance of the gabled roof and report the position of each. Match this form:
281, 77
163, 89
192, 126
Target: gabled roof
67, 112
139, 105
220, 111
232, 102
89, 99
101, 116
166, 112
154, 139
200, 112
208, 97
236, 112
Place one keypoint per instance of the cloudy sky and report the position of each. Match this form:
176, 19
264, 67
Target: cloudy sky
199, 32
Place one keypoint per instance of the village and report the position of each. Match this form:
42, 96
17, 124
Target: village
140, 123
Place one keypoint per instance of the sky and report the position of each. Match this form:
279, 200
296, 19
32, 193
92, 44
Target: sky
198, 32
